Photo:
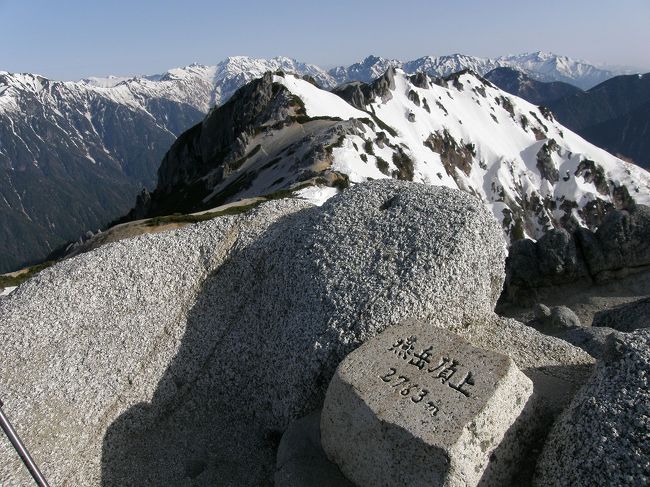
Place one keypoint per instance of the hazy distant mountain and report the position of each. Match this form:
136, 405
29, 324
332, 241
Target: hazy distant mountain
520, 84
539, 65
230, 75
205, 86
614, 115
72, 159
627, 135
280, 133
546, 66
611, 99
446, 65
367, 70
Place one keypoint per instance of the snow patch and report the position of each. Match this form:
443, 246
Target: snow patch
316, 194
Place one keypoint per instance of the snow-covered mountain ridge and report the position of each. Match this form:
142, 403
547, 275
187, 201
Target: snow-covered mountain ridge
542, 66
92, 144
460, 132
72, 158
204, 86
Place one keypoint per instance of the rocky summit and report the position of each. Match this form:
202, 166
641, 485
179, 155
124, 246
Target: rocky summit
184, 355
248, 350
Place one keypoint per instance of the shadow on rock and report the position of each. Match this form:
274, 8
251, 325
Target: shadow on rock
271, 324
191, 431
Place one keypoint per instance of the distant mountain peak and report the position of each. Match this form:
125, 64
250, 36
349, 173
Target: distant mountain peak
371, 59
459, 131
96, 124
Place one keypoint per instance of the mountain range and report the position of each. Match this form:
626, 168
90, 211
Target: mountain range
73, 155
614, 115
282, 134
517, 82
541, 66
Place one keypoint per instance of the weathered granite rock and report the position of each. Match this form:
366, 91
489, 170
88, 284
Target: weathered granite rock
619, 247
181, 357
563, 317
554, 259
94, 336
301, 460
558, 370
621, 241
420, 406
626, 317
602, 438
590, 339
541, 311
554, 320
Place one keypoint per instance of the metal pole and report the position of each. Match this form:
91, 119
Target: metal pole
21, 450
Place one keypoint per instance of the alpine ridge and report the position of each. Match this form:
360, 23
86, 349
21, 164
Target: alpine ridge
72, 158
283, 133
614, 115
73, 155
518, 83
541, 66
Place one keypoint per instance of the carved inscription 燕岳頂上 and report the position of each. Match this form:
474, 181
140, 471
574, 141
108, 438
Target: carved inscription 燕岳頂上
440, 367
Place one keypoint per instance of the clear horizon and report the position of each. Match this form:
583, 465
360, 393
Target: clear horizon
71, 39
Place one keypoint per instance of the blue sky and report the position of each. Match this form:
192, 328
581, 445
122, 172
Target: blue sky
70, 39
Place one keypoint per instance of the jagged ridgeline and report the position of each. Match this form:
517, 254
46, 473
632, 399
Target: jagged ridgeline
72, 157
281, 133
613, 115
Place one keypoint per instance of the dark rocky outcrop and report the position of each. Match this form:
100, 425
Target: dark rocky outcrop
359, 94
593, 173
620, 245
353, 92
626, 317
545, 165
453, 155
212, 154
621, 242
553, 259
222, 136
421, 80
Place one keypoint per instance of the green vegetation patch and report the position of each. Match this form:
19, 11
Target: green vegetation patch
404, 165
296, 101
382, 125
240, 162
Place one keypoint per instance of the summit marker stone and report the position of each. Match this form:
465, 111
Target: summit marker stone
420, 406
